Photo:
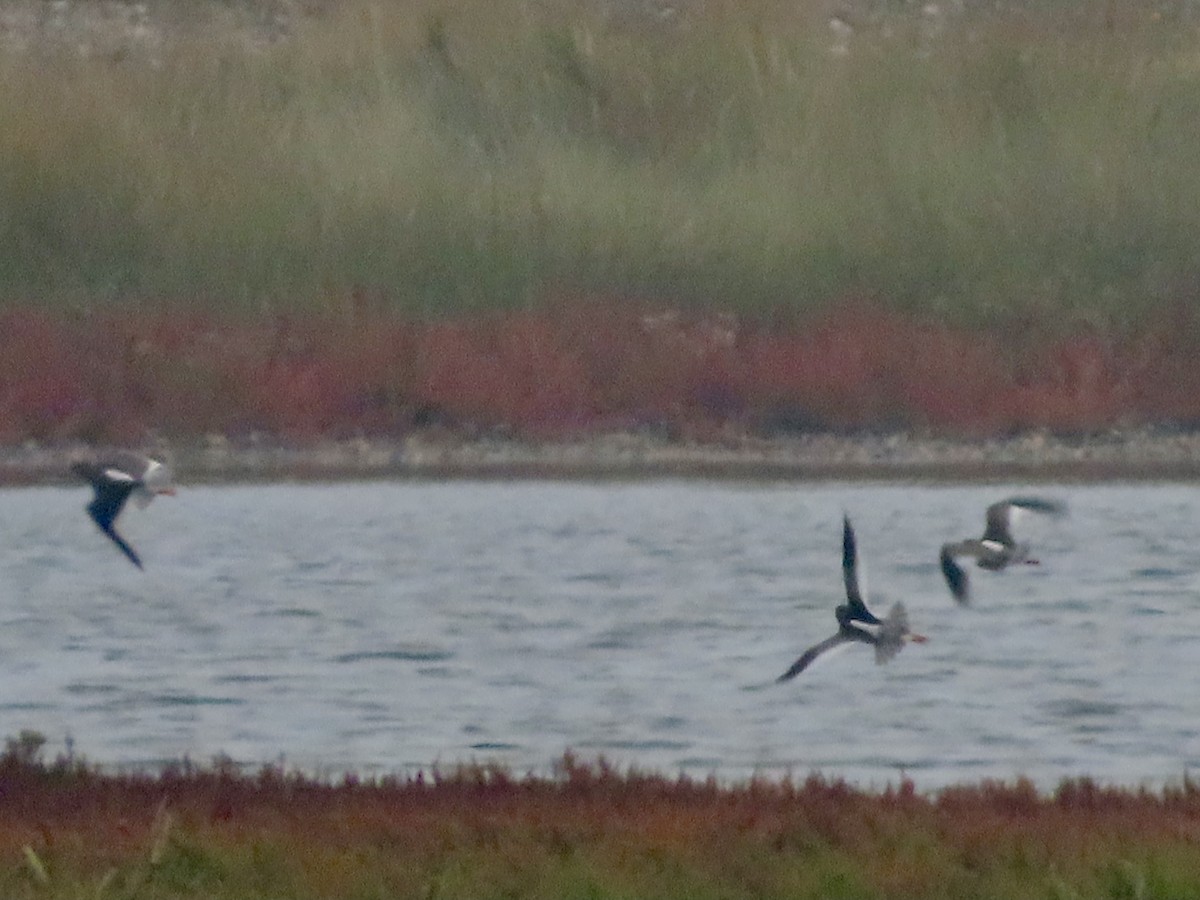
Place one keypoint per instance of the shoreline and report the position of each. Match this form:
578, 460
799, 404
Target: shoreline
1133, 455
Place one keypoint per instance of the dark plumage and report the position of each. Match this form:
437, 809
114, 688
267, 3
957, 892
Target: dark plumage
996, 549
114, 479
856, 623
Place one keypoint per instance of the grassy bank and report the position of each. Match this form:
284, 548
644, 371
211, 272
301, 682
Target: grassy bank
445, 158
590, 832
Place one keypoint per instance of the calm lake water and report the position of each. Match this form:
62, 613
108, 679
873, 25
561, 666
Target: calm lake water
390, 627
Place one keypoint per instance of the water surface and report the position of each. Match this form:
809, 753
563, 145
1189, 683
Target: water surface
389, 627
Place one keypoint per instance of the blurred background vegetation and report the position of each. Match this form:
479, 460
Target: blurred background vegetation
975, 163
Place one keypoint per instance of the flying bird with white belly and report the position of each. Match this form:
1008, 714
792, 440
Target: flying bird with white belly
856, 623
115, 477
997, 549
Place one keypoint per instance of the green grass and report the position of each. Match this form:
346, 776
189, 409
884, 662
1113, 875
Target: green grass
455, 160
69, 831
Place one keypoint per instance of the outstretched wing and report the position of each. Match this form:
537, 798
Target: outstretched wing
120, 542
999, 523
1000, 516
955, 575
850, 575
111, 494
812, 653
1039, 505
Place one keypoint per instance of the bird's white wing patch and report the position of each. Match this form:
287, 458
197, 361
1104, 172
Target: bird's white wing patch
118, 475
994, 546
872, 630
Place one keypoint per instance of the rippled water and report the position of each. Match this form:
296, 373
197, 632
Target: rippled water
386, 627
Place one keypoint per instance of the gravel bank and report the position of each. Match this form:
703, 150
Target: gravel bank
1125, 455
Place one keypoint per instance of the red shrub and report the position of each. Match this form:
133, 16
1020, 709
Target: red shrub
44, 380
583, 364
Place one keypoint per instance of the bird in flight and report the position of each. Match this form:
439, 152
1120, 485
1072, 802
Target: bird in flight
115, 477
856, 623
996, 549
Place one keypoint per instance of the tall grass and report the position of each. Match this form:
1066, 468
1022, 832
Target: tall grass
69, 831
454, 157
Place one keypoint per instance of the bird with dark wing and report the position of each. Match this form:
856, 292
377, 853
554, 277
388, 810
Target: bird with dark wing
115, 477
856, 623
997, 549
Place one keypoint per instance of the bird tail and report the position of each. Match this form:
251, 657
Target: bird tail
892, 633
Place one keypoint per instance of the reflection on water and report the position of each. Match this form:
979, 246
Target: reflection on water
388, 627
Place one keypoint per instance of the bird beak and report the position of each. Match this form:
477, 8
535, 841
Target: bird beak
917, 638
170, 492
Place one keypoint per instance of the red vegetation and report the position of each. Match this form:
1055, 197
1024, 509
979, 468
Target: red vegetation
587, 365
760, 836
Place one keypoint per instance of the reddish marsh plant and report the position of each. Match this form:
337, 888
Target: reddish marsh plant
591, 828
575, 368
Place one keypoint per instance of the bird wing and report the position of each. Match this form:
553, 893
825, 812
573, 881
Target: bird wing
812, 653
109, 499
999, 522
851, 570
91, 472
152, 477
120, 542
956, 575
1002, 516
106, 506
1041, 505
131, 462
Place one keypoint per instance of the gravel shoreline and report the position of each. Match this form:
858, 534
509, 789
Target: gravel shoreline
1158, 455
